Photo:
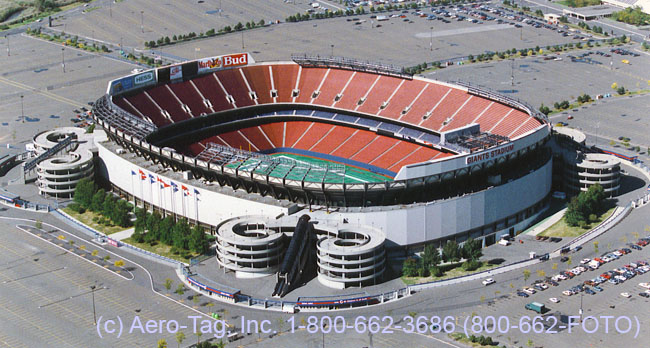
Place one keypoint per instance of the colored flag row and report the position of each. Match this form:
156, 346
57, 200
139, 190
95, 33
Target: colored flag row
163, 184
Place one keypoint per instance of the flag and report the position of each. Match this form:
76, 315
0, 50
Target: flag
196, 194
132, 173
142, 175
151, 179
174, 186
163, 184
186, 191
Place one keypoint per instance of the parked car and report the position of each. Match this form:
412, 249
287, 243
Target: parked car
589, 291
626, 294
522, 294
597, 288
643, 294
554, 299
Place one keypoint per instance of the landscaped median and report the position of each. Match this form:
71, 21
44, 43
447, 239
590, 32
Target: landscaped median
94, 220
451, 270
562, 229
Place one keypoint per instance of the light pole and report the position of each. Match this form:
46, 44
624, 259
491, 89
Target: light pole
63, 59
581, 306
332, 46
8, 52
110, 8
92, 291
22, 108
431, 40
142, 21
242, 40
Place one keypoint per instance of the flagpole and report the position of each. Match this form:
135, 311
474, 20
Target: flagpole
133, 191
141, 193
196, 205
172, 199
183, 202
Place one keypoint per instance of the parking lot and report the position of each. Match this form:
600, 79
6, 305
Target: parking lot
608, 302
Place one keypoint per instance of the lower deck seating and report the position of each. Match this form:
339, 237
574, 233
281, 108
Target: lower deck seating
339, 141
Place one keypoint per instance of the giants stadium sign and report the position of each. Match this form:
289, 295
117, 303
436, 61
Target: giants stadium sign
490, 155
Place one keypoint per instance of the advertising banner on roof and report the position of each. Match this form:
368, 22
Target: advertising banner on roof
175, 72
144, 78
121, 85
223, 62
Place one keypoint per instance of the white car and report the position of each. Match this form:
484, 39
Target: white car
554, 299
585, 261
645, 285
488, 281
529, 290
543, 286
567, 292
626, 295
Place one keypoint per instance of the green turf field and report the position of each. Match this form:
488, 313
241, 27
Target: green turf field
342, 173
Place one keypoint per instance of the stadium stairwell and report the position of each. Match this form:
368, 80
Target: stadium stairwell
299, 255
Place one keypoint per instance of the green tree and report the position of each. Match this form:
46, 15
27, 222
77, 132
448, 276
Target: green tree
430, 257
410, 267
180, 337
596, 247
472, 249
451, 252
165, 230
239, 26
544, 109
162, 343
108, 206
83, 193
198, 242
526, 275
168, 283
180, 234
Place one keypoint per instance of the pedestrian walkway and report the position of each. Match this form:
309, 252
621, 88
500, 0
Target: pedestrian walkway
123, 234
546, 223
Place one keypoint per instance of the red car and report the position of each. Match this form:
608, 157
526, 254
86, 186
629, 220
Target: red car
605, 275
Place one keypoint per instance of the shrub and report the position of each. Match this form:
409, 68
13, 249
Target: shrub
435, 271
471, 265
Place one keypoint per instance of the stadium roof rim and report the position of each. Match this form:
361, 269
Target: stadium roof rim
311, 60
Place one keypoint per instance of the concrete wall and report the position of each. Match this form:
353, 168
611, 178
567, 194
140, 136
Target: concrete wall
213, 207
402, 226
440, 219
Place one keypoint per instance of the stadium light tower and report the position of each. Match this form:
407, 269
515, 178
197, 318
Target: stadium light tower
142, 21
332, 46
22, 108
8, 52
63, 59
431, 40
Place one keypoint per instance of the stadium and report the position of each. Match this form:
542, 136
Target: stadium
345, 141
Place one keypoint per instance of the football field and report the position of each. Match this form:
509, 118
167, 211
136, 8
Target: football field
310, 169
